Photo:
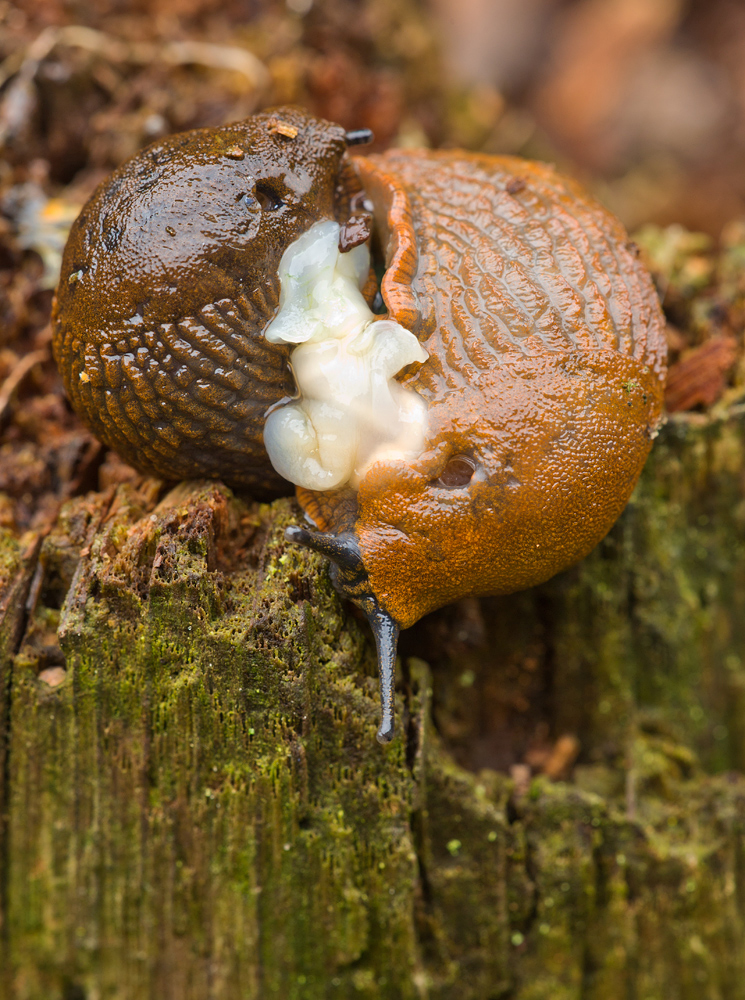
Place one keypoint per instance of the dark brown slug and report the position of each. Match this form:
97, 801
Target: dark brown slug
168, 280
481, 436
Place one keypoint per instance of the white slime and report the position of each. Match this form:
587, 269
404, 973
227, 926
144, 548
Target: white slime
351, 411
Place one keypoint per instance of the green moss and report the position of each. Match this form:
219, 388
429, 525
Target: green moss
200, 808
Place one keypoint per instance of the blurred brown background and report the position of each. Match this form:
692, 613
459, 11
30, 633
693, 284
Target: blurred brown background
645, 99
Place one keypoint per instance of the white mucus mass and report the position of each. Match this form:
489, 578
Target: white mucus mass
351, 411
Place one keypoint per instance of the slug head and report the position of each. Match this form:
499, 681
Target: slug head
168, 279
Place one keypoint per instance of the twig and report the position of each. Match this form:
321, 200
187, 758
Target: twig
17, 375
18, 100
25, 65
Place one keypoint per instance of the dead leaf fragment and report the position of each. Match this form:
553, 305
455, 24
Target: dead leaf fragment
700, 377
278, 127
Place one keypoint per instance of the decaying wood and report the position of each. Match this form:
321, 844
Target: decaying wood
197, 806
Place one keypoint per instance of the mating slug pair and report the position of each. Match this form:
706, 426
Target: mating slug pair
481, 435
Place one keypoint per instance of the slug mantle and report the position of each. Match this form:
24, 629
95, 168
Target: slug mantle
518, 316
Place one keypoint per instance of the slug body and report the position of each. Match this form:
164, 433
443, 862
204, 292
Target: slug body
543, 384
527, 387
168, 280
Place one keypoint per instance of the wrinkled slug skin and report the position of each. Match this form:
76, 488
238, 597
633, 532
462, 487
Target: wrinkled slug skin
544, 333
546, 368
168, 281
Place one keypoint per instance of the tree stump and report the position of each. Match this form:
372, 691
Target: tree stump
193, 804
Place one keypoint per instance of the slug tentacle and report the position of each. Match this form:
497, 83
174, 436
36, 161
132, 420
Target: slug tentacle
359, 137
351, 580
342, 549
386, 633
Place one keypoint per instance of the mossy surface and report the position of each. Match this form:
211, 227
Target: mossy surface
197, 807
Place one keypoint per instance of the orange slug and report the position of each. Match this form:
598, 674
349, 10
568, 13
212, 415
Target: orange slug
481, 434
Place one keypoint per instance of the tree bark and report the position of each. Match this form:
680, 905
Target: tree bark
193, 803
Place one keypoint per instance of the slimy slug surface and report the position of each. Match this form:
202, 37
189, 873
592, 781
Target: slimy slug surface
187, 237
350, 412
482, 437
